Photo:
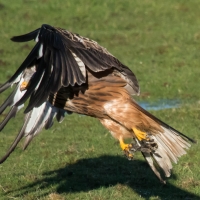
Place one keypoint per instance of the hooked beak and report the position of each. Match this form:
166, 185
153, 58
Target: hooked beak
24, 85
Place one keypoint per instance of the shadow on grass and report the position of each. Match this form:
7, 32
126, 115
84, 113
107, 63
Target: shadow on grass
106, 171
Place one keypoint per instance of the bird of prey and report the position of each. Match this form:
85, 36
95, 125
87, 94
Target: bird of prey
65, 72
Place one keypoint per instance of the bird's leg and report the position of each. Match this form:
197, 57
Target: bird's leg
140, 135
144, 143
24, 85
128, 149
123, 145
147, 144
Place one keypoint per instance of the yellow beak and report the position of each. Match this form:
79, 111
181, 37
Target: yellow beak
23, 86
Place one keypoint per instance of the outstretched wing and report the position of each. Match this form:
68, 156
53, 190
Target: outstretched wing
56, 65
59, 59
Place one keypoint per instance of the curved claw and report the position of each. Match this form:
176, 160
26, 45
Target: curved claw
129, 149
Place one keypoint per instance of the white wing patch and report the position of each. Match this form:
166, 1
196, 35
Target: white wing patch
17, 93
37, 38
39, 118
40, 53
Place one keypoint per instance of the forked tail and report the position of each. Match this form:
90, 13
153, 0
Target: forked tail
162, 148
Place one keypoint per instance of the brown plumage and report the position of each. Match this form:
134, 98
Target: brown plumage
66, 72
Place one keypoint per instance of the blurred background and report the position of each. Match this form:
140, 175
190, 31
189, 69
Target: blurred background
78, 159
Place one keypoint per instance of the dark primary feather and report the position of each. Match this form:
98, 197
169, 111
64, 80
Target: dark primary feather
26, 37
10, 114
5, 86
6, 103
16, 141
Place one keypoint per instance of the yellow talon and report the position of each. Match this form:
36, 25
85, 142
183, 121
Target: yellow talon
140, 135
123, 145
24, 85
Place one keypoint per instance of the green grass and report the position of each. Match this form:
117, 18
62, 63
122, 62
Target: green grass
78, 159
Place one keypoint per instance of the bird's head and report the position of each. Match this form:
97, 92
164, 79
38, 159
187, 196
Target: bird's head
28, 74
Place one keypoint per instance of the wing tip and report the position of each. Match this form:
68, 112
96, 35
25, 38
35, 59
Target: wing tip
26, 37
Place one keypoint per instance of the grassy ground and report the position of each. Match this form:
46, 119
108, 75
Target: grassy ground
160, 42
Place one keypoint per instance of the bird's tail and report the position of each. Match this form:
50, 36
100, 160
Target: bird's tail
162, 148
168, 146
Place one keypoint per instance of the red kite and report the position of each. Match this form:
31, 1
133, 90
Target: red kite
66, 72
